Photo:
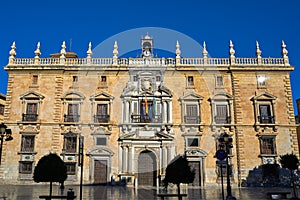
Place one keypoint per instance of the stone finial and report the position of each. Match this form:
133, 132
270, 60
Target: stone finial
258, 51
63, 50
204, 51
284, 53
89, 51
12, 52
231, 50
178, 52
37, 52
284, 50
115, 51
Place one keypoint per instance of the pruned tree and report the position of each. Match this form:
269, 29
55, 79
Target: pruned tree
50, 168
178, 171
291, 162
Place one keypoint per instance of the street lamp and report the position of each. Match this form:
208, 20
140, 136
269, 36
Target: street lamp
5, 133
225, 138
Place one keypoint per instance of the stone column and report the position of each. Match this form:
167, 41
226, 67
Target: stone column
165, 113
124, 158
170, 112
120, 158
165, 157
130, 158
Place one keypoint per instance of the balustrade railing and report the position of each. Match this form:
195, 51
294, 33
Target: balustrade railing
147, 61
246, 61
146, 119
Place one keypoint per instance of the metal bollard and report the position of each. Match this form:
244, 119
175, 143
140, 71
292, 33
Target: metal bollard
70, 194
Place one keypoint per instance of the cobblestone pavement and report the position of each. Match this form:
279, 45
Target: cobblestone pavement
28, 192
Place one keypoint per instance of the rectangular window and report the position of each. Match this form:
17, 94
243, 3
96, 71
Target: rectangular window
31, 112
157, 78
103, 79
192, 114
1, 109
102, 113
135, 78
261, 82
71, 168
101, 141
222, 115
190, 81
25, 167
265, 114
27, 143
219, 81
75, 79
193, 142
72, 113
70, 144
267, 145
34, 79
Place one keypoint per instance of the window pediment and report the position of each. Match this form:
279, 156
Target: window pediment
191, 96
101, 96
264, 96
222, 96
73, 96
31, 95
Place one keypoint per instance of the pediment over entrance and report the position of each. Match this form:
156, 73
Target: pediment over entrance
101, 131
100, 151
147, 134
195, 152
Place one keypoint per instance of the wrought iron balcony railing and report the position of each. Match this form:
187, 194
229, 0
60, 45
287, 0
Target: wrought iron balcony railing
71, 118
191, 119
101, 118
29, 117
266, 119
223, 119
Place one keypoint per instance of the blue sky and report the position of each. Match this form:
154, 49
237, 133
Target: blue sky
213, 21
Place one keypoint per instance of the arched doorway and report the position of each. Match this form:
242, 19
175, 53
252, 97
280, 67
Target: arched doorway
147, 169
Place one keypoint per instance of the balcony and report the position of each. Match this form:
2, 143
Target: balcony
223, 119
266, 119
146, 119
191, 119
27, 150
101, 118
29, 117
71, 118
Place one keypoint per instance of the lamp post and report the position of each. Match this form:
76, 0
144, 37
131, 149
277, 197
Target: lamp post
225, 138
5, 133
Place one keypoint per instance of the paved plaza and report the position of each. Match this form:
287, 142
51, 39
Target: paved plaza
29, 192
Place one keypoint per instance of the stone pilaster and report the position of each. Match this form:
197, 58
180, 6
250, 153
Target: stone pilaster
290, 114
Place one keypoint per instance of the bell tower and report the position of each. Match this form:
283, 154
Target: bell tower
147, 46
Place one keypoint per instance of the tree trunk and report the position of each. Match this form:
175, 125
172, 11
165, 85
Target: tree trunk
178, 191
50, 189
293, 184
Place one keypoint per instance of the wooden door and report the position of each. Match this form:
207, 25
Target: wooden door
147, 169
195, 165
100, 172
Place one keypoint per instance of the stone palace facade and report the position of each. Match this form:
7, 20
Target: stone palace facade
137, 114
